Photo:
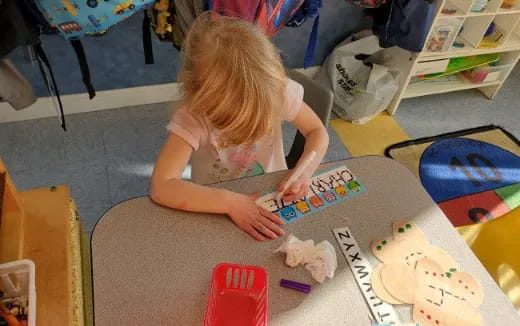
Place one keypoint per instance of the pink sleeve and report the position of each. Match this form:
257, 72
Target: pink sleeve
186, 126
294, 100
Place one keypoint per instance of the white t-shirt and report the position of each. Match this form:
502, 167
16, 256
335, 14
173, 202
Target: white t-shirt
211, 164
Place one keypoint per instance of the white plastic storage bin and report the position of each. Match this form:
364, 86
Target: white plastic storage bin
17, 280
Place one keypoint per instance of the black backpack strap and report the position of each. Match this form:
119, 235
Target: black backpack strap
83, 65
147, 40
48, 78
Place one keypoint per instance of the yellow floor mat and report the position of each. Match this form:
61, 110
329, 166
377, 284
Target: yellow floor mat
500, 259
371, 138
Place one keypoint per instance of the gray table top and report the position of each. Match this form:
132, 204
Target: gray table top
153, 265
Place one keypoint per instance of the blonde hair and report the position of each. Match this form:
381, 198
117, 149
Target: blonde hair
233, 78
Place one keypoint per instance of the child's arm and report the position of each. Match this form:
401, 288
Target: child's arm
170, 190
316, 139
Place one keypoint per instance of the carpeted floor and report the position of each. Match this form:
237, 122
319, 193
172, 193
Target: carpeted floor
437, 114
473, 174
108, 156
105, 157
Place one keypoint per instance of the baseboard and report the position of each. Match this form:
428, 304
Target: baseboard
80, 103
104, 100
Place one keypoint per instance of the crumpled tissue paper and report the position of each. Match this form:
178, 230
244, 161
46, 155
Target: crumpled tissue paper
297, 251
319, 259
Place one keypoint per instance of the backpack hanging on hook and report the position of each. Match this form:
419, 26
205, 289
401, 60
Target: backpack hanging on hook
172, 24
309, 9
273, 15
170, 20
21, 27
74, 19
403, 23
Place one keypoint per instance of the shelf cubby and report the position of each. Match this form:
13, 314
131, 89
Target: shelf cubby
461, 7
457, 84
474, 28
492, 6
505, 25
505, 65
442, 35
515, 8
514, 38
468, 29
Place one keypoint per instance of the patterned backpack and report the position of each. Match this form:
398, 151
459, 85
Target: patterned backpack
73, 19
77, 18
171, 19
273, 15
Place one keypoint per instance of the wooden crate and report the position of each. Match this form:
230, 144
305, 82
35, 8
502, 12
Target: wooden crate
41, 225
47, 244
12, 219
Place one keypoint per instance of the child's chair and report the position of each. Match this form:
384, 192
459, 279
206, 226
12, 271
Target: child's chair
320, 99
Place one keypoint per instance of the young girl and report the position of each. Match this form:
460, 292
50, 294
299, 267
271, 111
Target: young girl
235, 96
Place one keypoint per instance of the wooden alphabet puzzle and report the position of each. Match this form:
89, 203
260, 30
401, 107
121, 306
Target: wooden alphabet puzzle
326, 189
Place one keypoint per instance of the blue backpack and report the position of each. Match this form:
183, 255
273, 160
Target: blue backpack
309, 9
77, 18
273, 15
73, 19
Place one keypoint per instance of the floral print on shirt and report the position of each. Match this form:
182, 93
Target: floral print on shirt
237, 162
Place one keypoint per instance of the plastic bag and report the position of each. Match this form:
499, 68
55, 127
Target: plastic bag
361, 90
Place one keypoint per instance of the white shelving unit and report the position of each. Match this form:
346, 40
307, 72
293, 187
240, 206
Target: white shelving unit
468, 28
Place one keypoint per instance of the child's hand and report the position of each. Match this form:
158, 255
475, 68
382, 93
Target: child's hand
297, 190
254, 219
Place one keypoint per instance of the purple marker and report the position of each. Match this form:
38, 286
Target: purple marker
302, 287
295, 286
295, 283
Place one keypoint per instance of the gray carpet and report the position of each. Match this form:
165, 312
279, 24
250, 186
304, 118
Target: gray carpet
442, 113
107, 156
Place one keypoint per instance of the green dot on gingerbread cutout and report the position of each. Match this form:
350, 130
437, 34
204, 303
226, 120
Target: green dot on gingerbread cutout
400, 230
453, 269
378, 247
408, 226
384, 242
448, 274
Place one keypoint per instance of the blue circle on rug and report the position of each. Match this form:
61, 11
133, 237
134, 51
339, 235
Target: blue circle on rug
457, 167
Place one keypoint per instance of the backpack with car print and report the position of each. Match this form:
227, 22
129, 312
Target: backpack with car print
77, 18
73, 19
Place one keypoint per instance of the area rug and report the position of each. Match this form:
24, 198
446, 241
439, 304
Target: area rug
473, 175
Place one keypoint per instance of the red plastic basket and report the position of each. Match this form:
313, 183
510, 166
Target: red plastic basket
238, 296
